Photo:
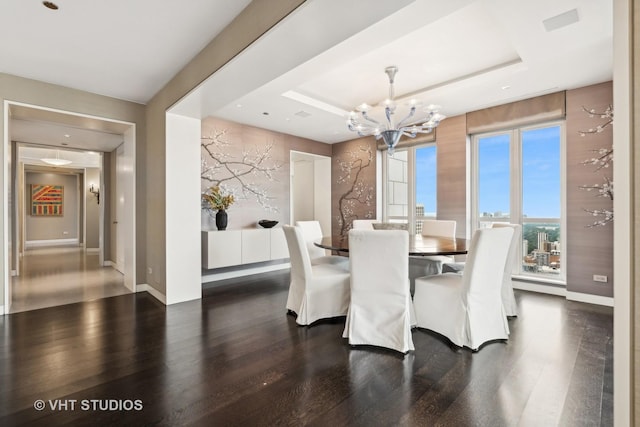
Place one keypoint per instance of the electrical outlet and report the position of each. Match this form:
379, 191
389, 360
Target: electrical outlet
599, 278
149, 270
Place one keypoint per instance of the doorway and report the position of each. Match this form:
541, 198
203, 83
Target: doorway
85, 263
311, 189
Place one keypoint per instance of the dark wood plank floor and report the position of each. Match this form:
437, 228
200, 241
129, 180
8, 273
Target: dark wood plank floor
236, 358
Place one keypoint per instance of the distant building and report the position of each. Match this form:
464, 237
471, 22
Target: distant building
542, 240
419, 214
543, 258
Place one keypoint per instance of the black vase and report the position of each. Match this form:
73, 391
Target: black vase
221, 219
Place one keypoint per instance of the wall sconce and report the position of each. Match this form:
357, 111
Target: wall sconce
95, 192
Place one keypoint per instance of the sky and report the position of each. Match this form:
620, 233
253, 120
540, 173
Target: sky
540, 174
426, 178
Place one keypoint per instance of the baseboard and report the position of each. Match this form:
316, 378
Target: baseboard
590, 299
144, 287
244, 272
543, 289
92, 250
562, 291
107, 263
50, 242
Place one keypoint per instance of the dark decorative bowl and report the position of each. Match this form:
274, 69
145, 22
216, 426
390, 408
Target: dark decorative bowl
267, 223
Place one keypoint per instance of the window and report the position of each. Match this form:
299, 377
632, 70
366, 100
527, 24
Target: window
518, 179
411, 190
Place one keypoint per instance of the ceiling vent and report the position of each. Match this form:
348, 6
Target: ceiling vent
302, 114
562, 20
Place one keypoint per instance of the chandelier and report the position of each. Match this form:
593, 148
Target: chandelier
56, 161
359, 120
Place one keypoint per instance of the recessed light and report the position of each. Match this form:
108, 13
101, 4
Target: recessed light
66, 135
505, 87
50, 5
238, 105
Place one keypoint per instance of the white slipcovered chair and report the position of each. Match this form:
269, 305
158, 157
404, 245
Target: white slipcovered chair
363, 224
426, 265
316, 291
508, 298
312, 231
467, 308
380, 310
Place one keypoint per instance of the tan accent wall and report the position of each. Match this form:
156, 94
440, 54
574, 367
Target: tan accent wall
589, 249
635, 169
92, 238
19, 89
53, 227
452, 151
263, 194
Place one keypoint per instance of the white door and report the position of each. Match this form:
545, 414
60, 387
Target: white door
120, 210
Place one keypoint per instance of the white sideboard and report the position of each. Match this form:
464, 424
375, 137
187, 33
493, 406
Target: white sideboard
227, 248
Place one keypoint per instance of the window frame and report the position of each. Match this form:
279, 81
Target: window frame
515, 193
411, 217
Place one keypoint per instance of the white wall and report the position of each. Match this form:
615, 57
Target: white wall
302, 190
182, 209
322, 192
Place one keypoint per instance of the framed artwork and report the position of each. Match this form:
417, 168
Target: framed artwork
47, 200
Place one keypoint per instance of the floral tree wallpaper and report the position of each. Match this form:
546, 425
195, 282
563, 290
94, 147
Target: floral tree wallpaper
251, 165
601, 161
354, 188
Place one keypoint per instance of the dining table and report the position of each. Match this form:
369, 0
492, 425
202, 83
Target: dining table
419, 245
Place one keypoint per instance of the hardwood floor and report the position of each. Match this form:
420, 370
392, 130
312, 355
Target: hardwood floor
57, 275
236, 358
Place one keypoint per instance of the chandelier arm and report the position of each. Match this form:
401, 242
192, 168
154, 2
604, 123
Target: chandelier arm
408, 133
388, 112
411, 113
366, 117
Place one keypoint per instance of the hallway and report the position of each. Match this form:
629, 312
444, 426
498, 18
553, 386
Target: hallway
51, 276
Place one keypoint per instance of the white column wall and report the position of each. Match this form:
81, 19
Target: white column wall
182, 209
